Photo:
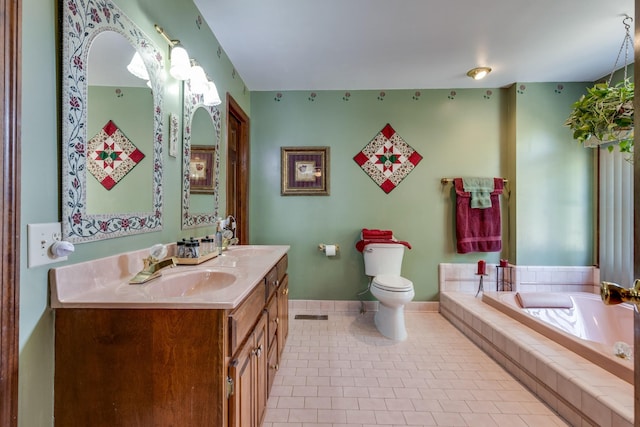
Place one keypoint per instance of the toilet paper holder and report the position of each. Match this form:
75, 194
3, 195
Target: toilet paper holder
322, 246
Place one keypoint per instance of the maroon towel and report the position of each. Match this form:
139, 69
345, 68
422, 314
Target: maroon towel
362, 243
376, 234
478, 230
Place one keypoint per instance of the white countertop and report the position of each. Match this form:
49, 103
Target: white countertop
220, 283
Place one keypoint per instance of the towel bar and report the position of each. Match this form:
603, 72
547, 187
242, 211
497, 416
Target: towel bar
444, 181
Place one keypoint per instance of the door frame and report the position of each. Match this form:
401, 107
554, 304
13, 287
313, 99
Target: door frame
234, 109
10, 93
636, 211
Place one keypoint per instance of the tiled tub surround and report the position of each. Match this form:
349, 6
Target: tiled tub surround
462, 278
582, 392
590, 328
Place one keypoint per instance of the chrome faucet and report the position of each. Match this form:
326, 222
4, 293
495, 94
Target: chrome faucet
152, 269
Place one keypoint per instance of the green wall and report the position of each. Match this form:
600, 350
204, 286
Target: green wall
555, 179
470, 132
131, 110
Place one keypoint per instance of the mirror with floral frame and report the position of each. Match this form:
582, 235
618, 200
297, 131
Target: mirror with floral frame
207, 211
82, 22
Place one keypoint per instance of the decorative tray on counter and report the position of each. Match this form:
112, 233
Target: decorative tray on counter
195, 261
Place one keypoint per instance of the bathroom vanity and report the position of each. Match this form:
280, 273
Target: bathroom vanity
165, 353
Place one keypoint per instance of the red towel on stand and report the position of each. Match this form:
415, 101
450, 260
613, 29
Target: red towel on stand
478, 230
376, 234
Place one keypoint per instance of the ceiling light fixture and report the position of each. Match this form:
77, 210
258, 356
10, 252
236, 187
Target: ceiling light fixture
478, 72
180, 64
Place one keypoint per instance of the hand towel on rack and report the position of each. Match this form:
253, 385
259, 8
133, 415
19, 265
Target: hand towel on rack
478, 230
480, 190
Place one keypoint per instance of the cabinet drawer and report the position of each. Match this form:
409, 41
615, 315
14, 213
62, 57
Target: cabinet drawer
273, 320
282, 266
271, 281
244, 317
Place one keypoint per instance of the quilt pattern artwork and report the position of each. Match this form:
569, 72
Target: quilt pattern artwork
387, 159
111, 155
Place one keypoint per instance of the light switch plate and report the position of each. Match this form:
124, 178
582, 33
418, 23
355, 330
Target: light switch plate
40, 237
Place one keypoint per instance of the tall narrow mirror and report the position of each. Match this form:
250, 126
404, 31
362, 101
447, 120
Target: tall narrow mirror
112, 80
201, 161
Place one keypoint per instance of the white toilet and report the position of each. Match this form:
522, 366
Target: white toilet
383, 263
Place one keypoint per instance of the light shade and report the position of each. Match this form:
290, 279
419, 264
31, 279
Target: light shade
137, 67
211, 96
198, 80
478, 72
180, 64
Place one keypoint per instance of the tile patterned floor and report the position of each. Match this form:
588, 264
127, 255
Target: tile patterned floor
341, 372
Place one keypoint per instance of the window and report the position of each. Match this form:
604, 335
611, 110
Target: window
615, 206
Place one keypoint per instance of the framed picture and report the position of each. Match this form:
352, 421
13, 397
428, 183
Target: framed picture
201, 173
305, 171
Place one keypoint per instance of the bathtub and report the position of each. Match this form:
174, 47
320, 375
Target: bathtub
590, 328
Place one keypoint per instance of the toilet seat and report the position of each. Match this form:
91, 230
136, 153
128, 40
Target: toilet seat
392, 283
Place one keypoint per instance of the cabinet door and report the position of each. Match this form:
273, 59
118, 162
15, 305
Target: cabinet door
272, 366
248, 370
260, 357
241, 371
273, 319
283, 313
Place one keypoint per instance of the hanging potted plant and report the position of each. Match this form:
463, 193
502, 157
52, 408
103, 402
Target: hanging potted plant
604, 115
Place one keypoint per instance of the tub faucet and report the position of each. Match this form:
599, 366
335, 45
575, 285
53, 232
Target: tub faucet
152, 269
612, 293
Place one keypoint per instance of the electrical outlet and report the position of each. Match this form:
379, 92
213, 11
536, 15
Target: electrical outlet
40, 237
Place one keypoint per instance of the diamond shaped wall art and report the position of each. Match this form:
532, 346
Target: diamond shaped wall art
387, 159
111, 155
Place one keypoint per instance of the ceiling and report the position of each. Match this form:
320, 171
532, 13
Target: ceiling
416, 44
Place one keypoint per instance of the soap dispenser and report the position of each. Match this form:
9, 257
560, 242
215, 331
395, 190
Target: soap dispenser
218, 238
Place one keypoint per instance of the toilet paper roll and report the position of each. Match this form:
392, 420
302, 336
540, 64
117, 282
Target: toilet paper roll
330, 250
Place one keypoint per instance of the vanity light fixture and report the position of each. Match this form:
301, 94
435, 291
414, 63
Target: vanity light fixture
478, 72
211, 97
137, 67
180, 68
198, 79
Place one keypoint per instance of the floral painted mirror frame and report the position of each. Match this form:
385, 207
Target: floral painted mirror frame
82, 22
193, 101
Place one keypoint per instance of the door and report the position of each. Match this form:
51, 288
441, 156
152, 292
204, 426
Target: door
238, 168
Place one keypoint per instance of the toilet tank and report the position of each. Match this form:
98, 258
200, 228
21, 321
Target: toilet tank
383, 258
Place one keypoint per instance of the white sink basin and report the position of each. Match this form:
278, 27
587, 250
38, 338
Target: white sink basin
189, 283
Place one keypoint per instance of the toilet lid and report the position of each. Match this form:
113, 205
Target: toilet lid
392, 283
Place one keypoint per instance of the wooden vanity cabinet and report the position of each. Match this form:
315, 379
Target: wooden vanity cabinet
169, 367
140, 367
